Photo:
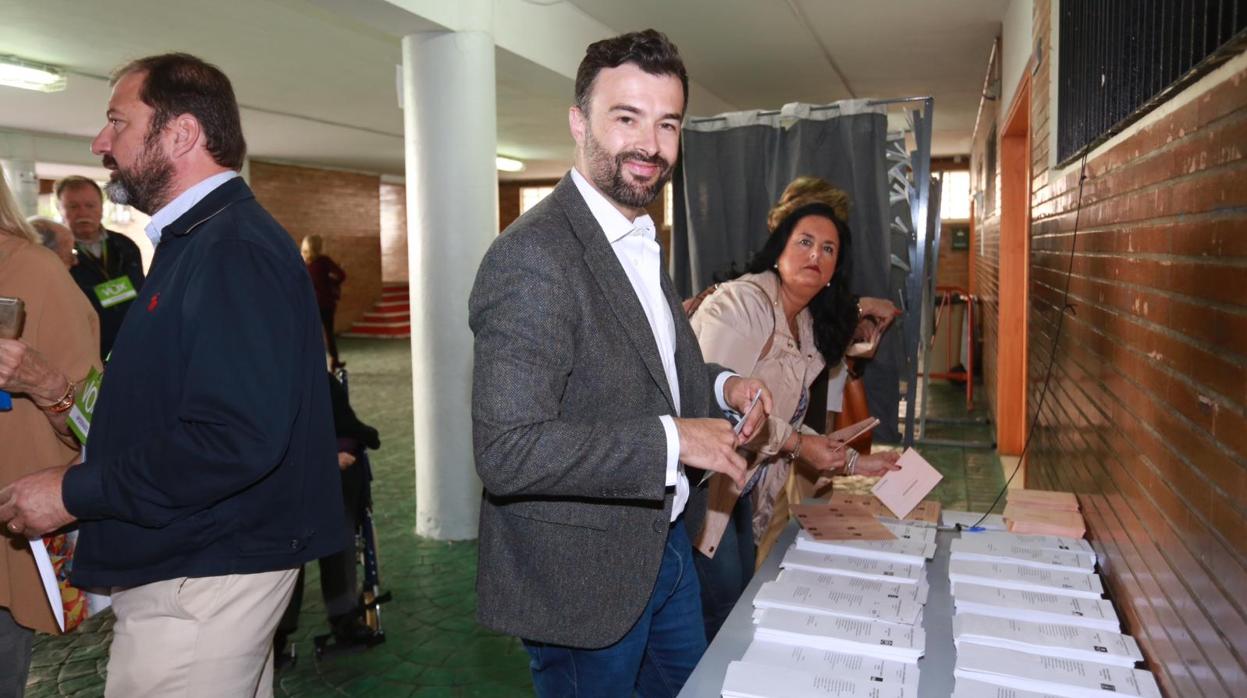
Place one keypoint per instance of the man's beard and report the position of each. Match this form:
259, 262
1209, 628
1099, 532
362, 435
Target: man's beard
145, 186
606, 172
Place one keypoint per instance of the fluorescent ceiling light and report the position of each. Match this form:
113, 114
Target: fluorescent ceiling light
28, 75
509, 164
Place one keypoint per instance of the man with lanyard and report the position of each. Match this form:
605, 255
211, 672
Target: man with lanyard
110, 268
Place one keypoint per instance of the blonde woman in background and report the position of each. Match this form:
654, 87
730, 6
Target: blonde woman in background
57, 348
327, 278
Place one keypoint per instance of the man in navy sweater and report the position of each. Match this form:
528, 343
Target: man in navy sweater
211, 471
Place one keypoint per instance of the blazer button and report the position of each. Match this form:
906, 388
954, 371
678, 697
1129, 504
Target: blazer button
659, 526
294, 543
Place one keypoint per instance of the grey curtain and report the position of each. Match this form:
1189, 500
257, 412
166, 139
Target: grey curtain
733, 170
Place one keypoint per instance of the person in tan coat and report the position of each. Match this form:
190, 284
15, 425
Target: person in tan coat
786, 319
58, 346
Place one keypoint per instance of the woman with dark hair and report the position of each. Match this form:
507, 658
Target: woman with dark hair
786, 318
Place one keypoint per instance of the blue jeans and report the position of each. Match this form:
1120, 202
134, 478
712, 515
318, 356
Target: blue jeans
725, 576
654, 658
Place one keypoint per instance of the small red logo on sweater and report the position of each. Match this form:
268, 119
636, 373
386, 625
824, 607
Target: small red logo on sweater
151, 305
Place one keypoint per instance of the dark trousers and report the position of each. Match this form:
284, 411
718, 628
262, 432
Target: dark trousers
338, 572
654, 658
331, 343
15, 646
725, 576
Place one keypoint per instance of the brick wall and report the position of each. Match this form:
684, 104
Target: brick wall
344, 209
954, 265
1146, 416
393, 232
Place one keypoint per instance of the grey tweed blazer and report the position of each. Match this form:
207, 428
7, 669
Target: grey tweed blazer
566, 394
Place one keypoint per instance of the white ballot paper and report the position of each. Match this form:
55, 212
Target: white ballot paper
809, 599
993, 522
48, 577
910, 530
1062, 677
982, 549
913, 552
1008, 575
819, 661
1035, 606
856, 585
970, 688
902, 643
849, 566
745, 680
1054, 639
1061, 543
901, 490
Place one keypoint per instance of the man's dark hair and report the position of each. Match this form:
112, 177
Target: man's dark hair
75, 181
649, 50
179, 83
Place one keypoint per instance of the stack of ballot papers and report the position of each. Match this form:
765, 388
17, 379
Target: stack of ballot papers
842, 664
970, 688
1008, 575
1050, 639
1057, 676
1035, 607
978, 548
1045, 542
850, 566
1042, 512
966, 519
745, 680
912, 550
892, 589
891, 641
832, 601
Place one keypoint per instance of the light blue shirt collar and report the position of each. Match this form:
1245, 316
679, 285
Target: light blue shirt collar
184, 202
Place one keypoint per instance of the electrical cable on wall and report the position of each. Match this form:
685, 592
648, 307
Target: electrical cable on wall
1056, 340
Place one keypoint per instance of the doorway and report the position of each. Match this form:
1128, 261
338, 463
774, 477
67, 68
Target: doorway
1014, 282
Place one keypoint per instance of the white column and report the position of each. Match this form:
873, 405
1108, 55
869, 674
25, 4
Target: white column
450, 132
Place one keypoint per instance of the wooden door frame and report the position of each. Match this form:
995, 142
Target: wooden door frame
1014, 280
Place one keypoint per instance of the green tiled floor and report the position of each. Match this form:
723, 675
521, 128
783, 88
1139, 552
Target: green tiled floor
434, 647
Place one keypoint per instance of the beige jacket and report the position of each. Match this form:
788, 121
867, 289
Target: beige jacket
62, 326
742, 327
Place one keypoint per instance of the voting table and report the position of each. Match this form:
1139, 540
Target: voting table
935, 668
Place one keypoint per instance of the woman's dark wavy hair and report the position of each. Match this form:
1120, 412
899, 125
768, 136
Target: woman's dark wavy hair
834, 308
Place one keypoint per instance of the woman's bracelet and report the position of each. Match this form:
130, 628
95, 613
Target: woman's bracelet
796, 450
852, 461
62, 405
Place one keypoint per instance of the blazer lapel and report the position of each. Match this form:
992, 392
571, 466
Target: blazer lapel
611, 278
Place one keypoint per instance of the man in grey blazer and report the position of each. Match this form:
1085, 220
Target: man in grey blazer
589, 397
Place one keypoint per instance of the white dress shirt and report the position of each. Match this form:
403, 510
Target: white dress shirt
636, 245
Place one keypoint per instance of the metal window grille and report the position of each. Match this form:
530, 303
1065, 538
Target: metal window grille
1120, 58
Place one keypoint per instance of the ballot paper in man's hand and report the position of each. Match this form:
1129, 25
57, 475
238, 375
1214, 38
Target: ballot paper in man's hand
901, 490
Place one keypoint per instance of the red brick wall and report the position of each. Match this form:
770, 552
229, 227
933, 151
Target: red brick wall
1146, 414
393, 232
344, 209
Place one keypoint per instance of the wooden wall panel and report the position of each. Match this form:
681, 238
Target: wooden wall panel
1145, 414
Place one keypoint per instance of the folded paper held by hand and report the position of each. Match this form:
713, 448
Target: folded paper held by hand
901, 490
832, 521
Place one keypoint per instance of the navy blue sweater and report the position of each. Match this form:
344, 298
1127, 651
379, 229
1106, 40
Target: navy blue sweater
212, 448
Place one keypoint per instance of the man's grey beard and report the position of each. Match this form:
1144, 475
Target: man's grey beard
146, 187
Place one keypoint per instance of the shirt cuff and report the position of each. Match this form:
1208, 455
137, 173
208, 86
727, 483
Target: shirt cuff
82, 491
718, 389
673, 449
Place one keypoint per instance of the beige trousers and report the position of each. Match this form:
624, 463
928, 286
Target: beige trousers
197, 636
